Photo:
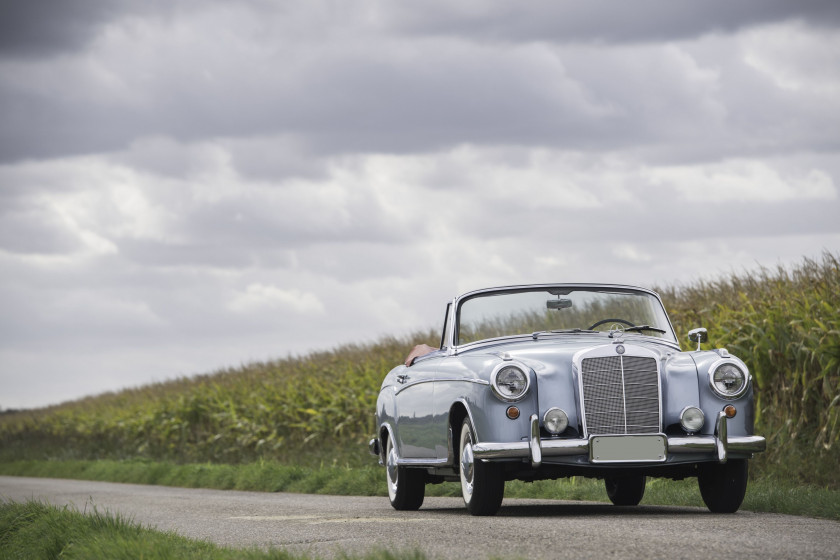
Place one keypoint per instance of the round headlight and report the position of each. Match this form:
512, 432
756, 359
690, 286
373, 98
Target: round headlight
728, 379
510, 383
555, 421
692, 419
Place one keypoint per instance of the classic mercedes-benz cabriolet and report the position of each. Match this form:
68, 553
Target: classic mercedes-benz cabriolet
550, 381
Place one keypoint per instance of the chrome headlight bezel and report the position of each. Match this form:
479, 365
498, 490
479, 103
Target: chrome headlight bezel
506, 394
742, 369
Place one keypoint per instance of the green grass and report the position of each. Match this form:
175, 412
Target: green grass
37, 531
763, 495
262, 476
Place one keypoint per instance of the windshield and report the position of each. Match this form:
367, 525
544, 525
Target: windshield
526, 311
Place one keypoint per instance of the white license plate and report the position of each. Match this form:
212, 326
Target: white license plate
627, 449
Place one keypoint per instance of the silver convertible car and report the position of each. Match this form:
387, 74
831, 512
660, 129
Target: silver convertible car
558, 380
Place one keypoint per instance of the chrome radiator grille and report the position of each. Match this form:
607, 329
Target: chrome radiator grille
620, 395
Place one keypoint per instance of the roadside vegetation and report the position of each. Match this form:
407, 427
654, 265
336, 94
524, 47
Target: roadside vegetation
315, 412
39, 531
764, 494
785, 324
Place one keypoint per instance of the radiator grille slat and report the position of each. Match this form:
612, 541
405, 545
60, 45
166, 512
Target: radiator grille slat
620, 395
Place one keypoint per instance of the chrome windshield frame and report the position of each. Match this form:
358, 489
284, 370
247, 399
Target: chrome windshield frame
454, 327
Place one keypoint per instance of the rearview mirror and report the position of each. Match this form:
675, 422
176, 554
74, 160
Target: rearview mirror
558, 304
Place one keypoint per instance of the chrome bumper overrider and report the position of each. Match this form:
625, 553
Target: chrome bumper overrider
718, 445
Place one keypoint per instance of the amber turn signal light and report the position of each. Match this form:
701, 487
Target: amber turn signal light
512, 412
730, 411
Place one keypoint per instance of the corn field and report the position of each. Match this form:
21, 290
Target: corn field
784, 323
276, 410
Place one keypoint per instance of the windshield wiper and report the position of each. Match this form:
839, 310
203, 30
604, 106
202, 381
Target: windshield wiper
560, 331
644, 328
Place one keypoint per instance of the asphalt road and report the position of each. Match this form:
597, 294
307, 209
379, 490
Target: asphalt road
325, 525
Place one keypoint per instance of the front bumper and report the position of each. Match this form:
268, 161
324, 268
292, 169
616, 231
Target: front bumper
718, 446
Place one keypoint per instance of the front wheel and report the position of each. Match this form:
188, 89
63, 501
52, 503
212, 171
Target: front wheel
723, 486
406, 487
625, 490
482, 484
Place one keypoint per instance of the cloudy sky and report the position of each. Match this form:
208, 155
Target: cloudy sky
191, 185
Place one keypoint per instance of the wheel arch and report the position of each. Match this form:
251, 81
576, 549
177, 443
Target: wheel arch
458, 412
385, 432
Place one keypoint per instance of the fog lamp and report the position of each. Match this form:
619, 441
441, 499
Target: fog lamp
692, 419
512, 412
555, 421
730, 411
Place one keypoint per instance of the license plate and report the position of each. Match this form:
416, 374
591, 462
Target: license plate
627, 449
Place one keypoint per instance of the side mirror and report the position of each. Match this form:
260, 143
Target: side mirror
699, 336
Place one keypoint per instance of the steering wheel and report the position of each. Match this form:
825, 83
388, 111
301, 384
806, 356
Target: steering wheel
602, 321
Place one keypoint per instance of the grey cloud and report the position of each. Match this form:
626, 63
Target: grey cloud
43, 28
356, 93
39, 28
39, 126
603, 21
267, 230
267, 158
359, 261
31, 232
656, 215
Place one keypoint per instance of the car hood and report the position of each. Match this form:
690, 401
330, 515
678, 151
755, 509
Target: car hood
554, 354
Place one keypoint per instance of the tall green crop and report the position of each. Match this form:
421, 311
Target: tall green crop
312, 408
784, 323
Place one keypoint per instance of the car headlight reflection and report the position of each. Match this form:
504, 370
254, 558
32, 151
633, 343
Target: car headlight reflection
555, 421
692, 419
510, 383
728, 379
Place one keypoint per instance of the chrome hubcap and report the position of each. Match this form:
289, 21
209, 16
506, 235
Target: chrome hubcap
467, 463
391, 469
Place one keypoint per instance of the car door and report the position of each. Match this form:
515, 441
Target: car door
419, 433
415, 409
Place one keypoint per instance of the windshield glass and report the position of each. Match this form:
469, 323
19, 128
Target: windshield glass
525, 311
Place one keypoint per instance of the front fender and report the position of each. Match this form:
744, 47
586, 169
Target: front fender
488, 413
711, 403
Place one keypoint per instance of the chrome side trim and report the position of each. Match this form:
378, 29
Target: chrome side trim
422, 462
398, 390
476, 381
